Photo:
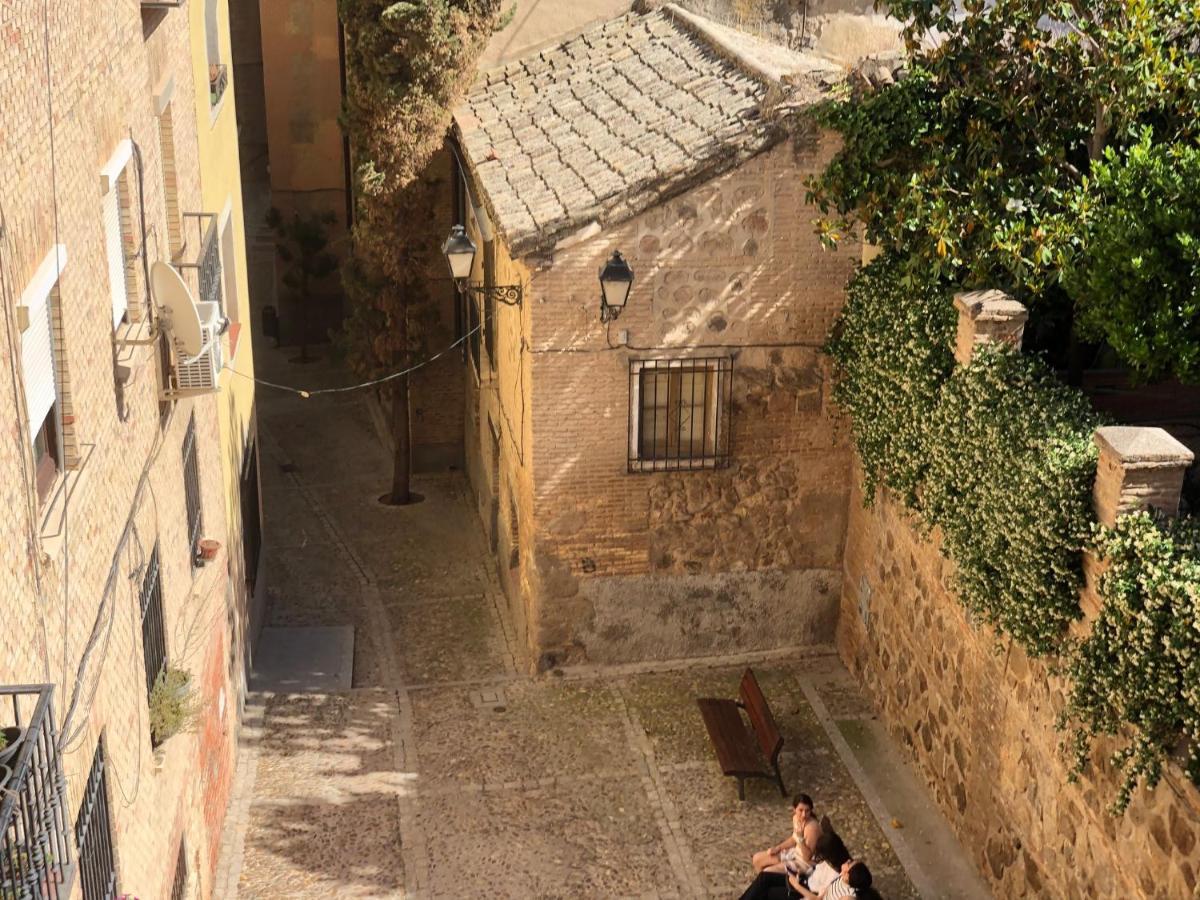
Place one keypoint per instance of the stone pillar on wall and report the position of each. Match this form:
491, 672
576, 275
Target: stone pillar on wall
987, 317
1139, 468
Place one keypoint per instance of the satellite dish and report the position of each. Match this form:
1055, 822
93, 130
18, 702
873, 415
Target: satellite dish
172, 294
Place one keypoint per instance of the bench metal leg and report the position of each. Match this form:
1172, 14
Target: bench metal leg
779, 780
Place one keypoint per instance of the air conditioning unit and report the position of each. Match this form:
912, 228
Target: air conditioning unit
202, 371
195, 330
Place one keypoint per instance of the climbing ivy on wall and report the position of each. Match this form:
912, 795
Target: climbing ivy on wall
1009, 482
891, 351
1137, 674
998, 454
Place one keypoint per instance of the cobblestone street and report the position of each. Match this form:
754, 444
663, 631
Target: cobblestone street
446, 771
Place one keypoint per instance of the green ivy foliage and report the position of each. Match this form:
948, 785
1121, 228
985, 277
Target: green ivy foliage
1137, 278
976, 166
1137, 674
1009, 482
891, 353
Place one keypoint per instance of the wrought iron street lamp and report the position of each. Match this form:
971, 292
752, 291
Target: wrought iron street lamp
459, 251
616, 278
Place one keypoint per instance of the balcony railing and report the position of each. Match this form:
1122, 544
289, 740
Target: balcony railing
200, 260
218, 80
162, 4
35, 857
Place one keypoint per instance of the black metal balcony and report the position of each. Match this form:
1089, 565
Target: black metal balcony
218, 80
162, 4
35, 861
200, 259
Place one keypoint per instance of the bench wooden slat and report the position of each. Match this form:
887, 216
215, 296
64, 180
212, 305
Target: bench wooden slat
744, 752
736, 752
769, 738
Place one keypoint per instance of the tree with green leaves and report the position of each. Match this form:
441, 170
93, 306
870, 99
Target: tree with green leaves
303, 247
407, 64
999, 159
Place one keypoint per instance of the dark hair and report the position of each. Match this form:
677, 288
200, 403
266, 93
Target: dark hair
859, 876
831, 849
802, 798
867, 894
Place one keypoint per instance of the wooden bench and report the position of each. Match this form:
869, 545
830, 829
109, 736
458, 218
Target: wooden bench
744, 752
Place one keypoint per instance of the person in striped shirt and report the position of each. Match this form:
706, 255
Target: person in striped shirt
853, 881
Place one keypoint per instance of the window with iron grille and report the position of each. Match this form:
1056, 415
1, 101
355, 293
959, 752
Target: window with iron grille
191, 489
93, 835
679, 411
179, 886
251, 513
154, 642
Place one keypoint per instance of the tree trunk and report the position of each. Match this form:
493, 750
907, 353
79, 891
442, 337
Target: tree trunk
402, 435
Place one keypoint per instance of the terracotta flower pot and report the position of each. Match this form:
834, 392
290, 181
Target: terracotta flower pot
208, 549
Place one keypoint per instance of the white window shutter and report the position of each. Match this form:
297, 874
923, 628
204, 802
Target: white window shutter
37, 341
116, 253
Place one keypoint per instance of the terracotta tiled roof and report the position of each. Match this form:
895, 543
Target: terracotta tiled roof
610, 122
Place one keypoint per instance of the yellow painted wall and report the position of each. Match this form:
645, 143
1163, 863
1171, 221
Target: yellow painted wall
221, 191
499, 398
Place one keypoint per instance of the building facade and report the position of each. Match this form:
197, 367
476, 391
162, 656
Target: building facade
123, 579
672, 483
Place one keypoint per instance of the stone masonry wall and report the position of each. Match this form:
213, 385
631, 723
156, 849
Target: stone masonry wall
978, 717
666, 564
70, 569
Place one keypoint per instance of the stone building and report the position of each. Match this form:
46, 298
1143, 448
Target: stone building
978, 716
674, 482
129, 472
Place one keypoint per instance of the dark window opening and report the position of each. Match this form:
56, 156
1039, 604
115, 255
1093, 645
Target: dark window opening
251, 514
473, 327
154, 641
47, 454
489, 282
179, 886
679, 414
191, 490
93, 835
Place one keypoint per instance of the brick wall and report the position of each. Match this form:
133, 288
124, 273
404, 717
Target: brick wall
977, 716
74, 582
620, 566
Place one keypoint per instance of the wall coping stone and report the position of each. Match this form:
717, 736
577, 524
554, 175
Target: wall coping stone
1143, 448
990, 306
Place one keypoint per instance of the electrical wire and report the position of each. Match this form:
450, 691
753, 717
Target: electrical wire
374, 382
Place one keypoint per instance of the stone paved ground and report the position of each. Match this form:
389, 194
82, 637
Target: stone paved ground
446, 771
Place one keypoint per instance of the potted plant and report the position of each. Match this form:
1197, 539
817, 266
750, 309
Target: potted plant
172, 705
5, 774
10, 742
208, 549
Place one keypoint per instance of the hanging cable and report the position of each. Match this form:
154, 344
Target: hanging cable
356, 387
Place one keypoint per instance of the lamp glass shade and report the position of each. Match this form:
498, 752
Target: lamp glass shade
616, 278
460, 253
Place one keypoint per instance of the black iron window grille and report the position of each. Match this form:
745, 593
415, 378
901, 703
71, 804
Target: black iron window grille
191, 490
251, 514
35, 858
179, 886
154, 642
679, 413
202, 272
93, 835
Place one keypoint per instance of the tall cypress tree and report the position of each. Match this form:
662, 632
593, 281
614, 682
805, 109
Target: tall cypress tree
407, 64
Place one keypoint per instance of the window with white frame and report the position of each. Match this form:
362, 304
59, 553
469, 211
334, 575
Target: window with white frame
679, 413
40, 370
114, 190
